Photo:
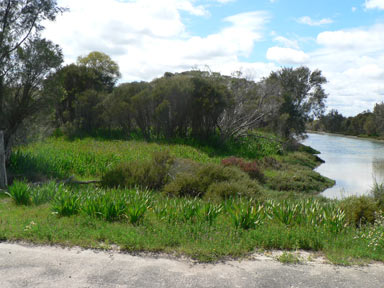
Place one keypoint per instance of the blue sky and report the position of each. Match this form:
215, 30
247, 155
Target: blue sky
342, 38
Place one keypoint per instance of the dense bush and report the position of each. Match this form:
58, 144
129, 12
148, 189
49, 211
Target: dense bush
271, 163
185, 185
225, 190
295, 178
251, 168
150, 174
359, 210
378, 193
213, 181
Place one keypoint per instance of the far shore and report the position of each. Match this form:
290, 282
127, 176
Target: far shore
362, 137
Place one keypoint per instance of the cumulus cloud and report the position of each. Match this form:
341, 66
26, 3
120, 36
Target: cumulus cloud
287, 42
308, 21
287, 55
352, 61
147, 38
374, 4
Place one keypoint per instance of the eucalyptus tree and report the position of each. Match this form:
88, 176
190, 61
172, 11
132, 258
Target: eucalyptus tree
301, 95
25, 61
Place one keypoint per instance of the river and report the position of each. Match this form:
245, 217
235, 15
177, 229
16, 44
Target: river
352, 162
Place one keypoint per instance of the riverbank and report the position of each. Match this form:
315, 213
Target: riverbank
280, 211
361, 137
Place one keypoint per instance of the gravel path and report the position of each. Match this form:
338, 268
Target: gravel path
36, 266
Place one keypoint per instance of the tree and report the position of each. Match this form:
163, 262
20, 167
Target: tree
107, 69
25, 60
20, 20
301, 97
74, 80
118, 108
333, 121
23, 92
249, 104
378, 113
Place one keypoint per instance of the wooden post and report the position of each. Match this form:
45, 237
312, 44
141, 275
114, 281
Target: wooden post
3, 172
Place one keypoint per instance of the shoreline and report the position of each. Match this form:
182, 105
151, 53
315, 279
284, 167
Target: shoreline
346, 136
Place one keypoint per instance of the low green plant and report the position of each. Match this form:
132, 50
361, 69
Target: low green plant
210, 212
66, 203
377, 192
374, 234
136, 211
189, 210
359, 210
45, 193
228, 189
289, 258
184, 185
247, 216
147, 174
20, 192
251, 168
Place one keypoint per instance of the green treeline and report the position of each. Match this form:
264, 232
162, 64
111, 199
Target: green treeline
363, 124
82, 98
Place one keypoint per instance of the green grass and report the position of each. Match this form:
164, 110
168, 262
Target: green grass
284, 215
90, 158
149, 221
87, 158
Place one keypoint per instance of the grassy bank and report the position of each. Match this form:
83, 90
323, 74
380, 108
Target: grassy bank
193, 207
147, 221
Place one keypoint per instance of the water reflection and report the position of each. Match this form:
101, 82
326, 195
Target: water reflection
354, 163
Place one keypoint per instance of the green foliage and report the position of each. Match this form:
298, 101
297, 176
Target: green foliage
149, 174
359, 210
230, 189
103, 64
377, 192
45, 193
374, 234
251, 168
301, 159
297, 178
184, 185
213, 181
66, 203
210, 212
148, 221
301, 96
20, 193
289, 258
247, 216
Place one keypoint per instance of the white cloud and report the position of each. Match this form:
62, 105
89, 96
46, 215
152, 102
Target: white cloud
353, 61
147, 38
374, 4
287, 42
224, 1
354, 9
366, 40
287, 55
308, 21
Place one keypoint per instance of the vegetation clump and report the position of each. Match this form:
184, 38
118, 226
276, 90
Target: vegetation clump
213, 181
151, 174
253, 168
360, 210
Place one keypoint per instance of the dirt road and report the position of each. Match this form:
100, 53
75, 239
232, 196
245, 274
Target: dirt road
29, 266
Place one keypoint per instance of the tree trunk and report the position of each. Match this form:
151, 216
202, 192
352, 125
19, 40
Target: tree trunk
3, 172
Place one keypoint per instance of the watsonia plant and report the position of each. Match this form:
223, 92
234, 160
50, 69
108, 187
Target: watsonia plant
20, 192
247, 216
66, 203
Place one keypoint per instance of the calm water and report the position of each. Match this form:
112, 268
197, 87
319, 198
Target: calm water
353, 163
